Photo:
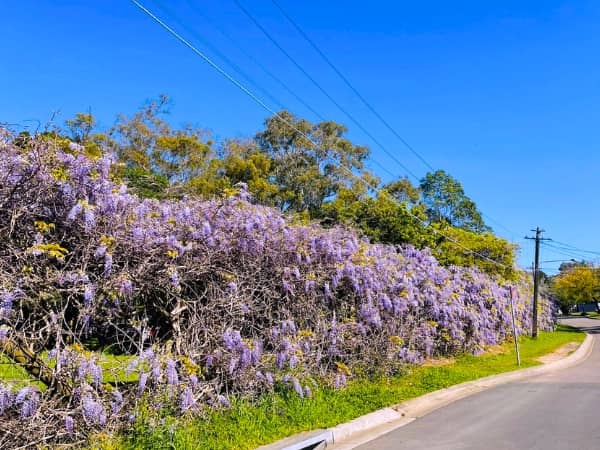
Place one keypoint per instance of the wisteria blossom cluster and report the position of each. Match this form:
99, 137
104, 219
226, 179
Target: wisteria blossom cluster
212, 297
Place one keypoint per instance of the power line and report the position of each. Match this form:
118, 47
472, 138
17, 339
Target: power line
230, 78
563, 252
266, 107
570, 247
566, 251
350, 85
237, 69
508, 230
240, 72
321, 88
363, 99
257, 63
551, 250
223, 57
215, 66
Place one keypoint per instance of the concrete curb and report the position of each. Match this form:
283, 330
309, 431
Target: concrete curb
368, 427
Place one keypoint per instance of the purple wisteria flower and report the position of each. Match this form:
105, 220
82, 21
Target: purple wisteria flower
223, 401
108, 263
171, 371
117, 402
28, 398
69, 424
93, 411
186, 400
296, 296
142, 383
7, 398
88, 294
297, 387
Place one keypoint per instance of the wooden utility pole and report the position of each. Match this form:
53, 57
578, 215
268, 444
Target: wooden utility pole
536, 279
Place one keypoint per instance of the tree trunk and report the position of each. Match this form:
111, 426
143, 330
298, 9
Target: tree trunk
17, 350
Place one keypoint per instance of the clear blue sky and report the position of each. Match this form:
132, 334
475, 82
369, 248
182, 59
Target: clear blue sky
504, 95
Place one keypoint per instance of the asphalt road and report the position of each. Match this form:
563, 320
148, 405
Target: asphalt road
558, 410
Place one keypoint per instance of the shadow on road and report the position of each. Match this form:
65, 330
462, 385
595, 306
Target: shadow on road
581, 323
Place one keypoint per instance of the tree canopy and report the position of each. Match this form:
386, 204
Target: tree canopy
311, 162
307, 169
447, 202
577, 284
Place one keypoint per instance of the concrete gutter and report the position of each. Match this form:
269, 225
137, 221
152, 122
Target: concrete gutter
370, 426
307, 440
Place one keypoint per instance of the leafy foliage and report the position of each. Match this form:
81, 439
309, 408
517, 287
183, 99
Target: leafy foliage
404, 191
148, 142
381, 218
447, 202
311, 162
486, 251
576, 284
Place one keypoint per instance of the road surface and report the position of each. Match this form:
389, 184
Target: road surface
555, 411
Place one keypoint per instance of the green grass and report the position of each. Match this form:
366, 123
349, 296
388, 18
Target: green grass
113, 370
11, 373
589, 315
247, 425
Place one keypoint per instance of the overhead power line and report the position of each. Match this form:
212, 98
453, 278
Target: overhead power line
322, 89
302, 101
262, 67
508, 230
350, 85
240, 72
360, 96
570, 247
561, 251
266, 107
220, 54
229, 77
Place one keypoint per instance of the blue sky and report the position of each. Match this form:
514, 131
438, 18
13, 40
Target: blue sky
504, 95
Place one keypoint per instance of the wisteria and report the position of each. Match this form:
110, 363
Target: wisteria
212, 298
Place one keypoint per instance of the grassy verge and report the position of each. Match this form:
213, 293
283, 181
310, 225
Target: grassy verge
11, 373
247, 425
114, 369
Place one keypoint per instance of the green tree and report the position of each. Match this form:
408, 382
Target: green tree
447, 202
241, 161
459, 247
311, 162
82, 130
578, 284
81, 126
382, 218
403, 190
568, 265
147, 141
145, 183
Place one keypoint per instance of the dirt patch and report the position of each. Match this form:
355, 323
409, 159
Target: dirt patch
559, 353
432, 362
494, 350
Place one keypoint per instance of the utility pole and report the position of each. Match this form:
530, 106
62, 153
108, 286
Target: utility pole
536, 279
